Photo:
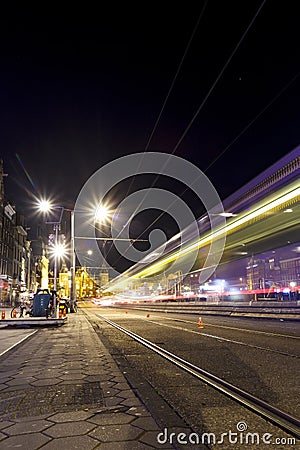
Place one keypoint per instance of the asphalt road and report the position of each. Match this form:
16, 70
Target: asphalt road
258, 356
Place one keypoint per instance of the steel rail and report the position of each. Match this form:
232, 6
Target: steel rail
278, 417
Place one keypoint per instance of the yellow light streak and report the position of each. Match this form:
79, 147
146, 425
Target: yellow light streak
228, 228
284, 197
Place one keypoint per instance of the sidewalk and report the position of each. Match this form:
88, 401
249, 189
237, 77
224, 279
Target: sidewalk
61, 389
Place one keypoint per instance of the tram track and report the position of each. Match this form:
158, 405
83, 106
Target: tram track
279, 418
220, 338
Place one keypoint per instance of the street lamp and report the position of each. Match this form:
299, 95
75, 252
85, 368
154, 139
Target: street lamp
101, 213
46, 206
73, 266
58, 249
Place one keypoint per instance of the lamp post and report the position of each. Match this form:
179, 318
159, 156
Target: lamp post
45, 206
100, 215
73, 267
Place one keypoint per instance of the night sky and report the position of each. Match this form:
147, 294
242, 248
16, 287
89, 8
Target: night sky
83, 86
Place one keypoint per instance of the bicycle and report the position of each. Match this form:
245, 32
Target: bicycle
22, 310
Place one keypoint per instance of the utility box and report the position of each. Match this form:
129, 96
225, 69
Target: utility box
40, 302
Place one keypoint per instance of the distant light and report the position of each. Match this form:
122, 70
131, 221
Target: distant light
289, 210
292, 284
90, 252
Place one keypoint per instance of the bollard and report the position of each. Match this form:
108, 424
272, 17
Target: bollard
3, 315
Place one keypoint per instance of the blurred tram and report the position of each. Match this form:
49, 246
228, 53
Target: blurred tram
261, 216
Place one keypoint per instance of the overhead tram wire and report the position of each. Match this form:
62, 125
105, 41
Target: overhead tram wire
205, 98
165, 102
287, 85
213, 85
175, 77
218, 77
282, 90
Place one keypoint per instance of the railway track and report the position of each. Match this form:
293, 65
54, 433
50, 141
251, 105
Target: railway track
279, 418
220, 338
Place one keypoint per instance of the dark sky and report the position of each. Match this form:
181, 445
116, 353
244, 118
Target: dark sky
83, 86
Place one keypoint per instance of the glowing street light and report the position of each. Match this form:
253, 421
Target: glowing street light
101, 213
59, 250
44, 205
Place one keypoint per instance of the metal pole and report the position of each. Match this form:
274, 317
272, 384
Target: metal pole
73, 267
28, 274
55, 269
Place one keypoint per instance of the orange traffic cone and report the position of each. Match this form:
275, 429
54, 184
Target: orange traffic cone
60, 314
64, 314
3, 315
200, 323
14, 313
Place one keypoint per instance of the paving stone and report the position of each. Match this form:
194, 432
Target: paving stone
30, 418
48, 374
111, 419
69, 429
129, 445
9, 373
107, 384
99, 377
110, 392
31, 441
115, 433
2, 436
46, 382
20, 381
70, 376
32, 426
74, 365
71, 416
71, 443
82, 381
113, 401
5, 423
5, 380
122, 386
131, 401
117, 378
145, 423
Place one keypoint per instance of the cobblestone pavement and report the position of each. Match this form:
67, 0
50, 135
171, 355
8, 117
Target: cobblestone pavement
61, 389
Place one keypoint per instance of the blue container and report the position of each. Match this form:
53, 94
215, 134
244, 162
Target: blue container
40, 302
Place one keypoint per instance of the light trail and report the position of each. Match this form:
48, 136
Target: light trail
283, 198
